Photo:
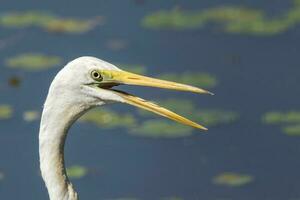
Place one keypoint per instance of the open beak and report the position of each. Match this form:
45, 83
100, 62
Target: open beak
113, 77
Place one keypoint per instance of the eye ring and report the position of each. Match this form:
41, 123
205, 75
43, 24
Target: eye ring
96, 75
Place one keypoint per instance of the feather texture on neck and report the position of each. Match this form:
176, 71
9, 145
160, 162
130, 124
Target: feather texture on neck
58, 116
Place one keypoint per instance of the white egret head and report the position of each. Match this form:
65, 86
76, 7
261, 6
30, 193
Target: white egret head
90, 81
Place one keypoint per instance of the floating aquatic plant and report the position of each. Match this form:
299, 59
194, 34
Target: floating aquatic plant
281, 117
106, 118
33, 61
77, 172
157, 128
174, 19
233, 19
48, 21
31, 115
24, 19
232, 179
292, 130
6, 112
70, 25
290, 120
203, 80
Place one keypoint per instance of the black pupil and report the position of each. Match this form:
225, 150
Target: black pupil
96, 75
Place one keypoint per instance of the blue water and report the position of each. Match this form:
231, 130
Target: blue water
266, 77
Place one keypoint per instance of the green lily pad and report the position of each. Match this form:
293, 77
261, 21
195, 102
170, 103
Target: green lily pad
233, 179
203, 80
69, 25
48, 22
24, 19
76, 172
158, 128
297, 3
174, 19
33, 61
232, 19
6, 112
281, 117
289, 120
292, 130
31, 115
106, 118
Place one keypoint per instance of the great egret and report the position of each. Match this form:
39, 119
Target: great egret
82, 84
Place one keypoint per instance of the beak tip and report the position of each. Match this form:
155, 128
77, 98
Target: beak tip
202, 128
208, 92
201, 91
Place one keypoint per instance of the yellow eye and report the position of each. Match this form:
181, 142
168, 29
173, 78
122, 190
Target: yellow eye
96, 75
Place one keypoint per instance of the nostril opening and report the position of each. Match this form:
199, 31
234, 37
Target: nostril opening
133, 78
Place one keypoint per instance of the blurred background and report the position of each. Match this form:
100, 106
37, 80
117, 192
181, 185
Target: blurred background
246, 52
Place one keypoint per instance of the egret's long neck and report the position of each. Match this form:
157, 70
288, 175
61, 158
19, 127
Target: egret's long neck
56, 119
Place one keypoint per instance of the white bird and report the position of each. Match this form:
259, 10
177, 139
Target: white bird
82, 84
